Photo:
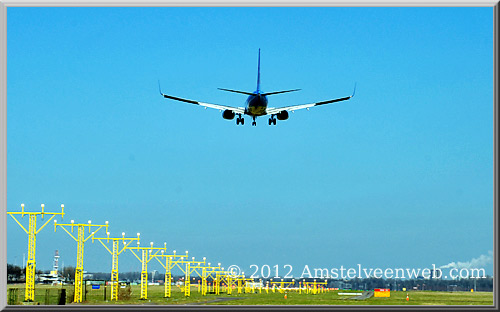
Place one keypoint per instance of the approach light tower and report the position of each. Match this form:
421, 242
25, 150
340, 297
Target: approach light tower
147, 255
170, 263
80, 242
191, 266
207, 272
115, 252
29, 294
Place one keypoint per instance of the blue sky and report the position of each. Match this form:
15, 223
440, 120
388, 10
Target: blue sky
399, 176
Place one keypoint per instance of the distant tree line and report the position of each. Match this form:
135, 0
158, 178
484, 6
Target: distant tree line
68, 273
14, 273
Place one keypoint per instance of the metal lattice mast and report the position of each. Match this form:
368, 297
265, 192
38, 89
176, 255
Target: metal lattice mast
283, 285
312, 287
191, 267
114, 271
219, 278
187, 281
239, 285
29, 294
206, 273
235, 282
224, 278
80, 243
204, 282
147, 255
79, 264
144, 275
115, 253
217, 283
229, 285
168, 279
171, 262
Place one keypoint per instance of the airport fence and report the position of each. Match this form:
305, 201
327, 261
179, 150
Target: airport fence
64, 294
45, 296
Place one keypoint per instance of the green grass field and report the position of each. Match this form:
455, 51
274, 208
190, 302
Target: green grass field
46, 294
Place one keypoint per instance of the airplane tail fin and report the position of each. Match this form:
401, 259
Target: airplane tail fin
258, 82
258, 74
258, 86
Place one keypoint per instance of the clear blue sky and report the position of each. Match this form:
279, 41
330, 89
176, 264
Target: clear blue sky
399, 176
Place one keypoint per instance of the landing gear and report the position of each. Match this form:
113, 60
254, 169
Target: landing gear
254, 123
240, 120
272, 120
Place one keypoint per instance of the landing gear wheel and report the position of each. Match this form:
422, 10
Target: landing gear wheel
272, 120
242, 121
254, 123
237, 121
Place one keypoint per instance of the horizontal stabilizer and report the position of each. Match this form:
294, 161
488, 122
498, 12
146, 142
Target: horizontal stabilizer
236, 91
278, 92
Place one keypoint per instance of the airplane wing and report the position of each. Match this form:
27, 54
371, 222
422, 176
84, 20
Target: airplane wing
276, 110
237, 110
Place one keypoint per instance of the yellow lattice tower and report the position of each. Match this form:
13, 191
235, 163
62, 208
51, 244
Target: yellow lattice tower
234, 282
217, 283
238, 281
192, 266
207, 272
80, 244
246, 281
147, 255
29, 294
312, 287
115, 252
227, 279
220, 278
170, 262
283, 285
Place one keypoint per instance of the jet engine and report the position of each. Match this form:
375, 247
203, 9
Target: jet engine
283, 115
228, 114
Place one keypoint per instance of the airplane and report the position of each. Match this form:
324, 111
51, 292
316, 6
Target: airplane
256, 104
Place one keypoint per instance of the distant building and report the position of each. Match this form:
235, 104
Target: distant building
53, 277
87, 276
342, 285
